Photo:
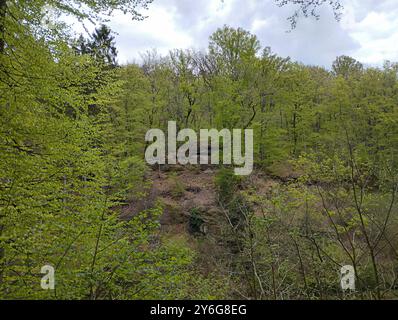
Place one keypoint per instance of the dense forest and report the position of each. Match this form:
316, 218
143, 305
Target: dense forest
76, 192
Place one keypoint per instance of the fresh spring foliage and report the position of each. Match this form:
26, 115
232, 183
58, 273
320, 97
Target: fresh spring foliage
72, 127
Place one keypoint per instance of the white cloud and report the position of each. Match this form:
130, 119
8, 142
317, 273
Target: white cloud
376, 30
368, 30
160, 30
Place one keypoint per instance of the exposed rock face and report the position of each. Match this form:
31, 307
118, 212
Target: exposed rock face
179, 192
183, 190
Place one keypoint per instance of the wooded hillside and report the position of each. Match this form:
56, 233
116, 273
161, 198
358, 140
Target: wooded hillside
77, 194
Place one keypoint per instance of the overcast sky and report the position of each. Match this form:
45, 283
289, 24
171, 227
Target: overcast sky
368, 30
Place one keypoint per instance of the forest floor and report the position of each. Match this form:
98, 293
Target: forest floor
191, 211
184, 190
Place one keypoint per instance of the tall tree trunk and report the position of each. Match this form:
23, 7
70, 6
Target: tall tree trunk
3, 10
